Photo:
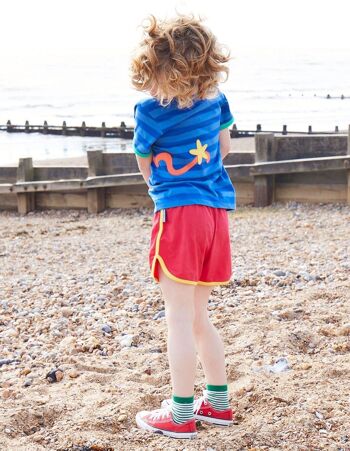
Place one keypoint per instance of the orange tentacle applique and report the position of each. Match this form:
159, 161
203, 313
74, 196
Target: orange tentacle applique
168, 159
200, 153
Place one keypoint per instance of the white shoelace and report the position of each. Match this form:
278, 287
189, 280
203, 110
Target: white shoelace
159, 414
198, 402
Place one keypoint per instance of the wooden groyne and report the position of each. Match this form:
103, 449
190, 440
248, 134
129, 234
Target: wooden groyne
127, 132
309, 168
83, 130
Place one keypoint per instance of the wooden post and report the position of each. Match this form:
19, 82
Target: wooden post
234, 131
25, 201
349, 169
26, 126
284, 131
82, 129
264, 185
8, 126
96, 199
64, 128
103, 130
45, 129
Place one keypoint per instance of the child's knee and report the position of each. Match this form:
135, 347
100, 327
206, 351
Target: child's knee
200, 322
179, 316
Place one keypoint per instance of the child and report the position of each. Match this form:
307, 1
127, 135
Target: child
181, 137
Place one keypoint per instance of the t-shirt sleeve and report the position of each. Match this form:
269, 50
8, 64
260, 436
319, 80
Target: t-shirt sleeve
226, 118
146, 131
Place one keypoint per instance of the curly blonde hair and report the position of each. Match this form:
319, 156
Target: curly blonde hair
178, 59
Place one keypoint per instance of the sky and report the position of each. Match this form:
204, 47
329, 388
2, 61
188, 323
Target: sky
61, 26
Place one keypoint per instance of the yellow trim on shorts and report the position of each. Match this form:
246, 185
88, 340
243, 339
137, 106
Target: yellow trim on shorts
165, 269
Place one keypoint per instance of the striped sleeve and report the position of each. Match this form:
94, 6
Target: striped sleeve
226, 118
146, 132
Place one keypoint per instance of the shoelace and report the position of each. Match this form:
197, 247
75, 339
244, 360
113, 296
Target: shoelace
159, 414
198, 402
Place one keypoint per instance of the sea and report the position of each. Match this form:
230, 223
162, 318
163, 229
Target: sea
271, 87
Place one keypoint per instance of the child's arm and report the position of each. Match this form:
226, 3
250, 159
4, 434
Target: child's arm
225, 142
144, 164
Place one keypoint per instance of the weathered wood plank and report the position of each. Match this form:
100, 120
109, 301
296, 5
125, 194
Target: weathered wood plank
8, 174
56, 200
244, 193
60, 172
313, 178
316, 193
5, 188
301, 165
295, 147
8, 201
114, 180
47, 185
128, 196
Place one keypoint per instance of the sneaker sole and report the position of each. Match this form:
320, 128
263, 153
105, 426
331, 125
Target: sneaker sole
216, 421
143, 425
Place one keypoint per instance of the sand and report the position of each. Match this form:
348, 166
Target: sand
76, 294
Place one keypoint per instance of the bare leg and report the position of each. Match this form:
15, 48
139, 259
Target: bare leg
208, 342
179, 313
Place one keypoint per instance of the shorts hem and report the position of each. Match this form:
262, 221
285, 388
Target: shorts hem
178, 279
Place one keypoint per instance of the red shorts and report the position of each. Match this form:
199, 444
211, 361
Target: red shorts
191, 243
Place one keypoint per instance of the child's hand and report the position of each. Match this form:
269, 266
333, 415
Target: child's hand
225, 142
144, 164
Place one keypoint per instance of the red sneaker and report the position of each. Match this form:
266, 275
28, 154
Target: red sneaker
161, 421
204, 411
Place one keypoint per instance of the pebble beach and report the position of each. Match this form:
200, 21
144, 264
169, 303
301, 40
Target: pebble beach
83, 333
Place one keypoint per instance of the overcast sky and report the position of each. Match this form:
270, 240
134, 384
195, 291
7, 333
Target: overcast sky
41, 25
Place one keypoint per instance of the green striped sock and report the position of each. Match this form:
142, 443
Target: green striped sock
218, 396
182, 408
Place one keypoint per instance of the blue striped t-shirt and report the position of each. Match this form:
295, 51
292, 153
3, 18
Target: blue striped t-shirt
186, 165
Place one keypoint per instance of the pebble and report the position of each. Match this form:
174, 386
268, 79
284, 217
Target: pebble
54, 375
122, 418
73, 374
160, 314
279, 273
25, 371
6, 394
28, 382
7, 361
306, 276
279, 366
66, 312
126, 341
106, 329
